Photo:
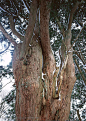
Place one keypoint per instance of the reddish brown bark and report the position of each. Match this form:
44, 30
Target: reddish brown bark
69, 79
28, 75
29, 98
31, 103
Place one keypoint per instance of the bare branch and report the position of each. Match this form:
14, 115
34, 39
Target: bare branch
5, 49
81, 72
25, 4
32, 20
7, 84
8, 12
82, 55
7, 35
12, 26
78, 115
80, 23
78, 54
77, 37
71, 14
60, 27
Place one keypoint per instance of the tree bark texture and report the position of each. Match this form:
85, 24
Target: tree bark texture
28, 77
34, 96
29, 89
69, 79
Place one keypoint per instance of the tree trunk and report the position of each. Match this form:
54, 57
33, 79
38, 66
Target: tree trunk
28, 77
31, 102
69, 79
34, 96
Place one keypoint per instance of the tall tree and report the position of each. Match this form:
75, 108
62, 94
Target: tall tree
40, 98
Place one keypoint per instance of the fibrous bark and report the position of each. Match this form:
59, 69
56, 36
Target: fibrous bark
28, 77
35, 97
69, 79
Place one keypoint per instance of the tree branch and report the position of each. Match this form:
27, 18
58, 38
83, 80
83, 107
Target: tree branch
78, 54
78, 115
44, 25
60, 27
80, 23
8, 12
6, 48
25, 4
32, 20
12, 26
81, 57
71, 14
81, 72
76, 38
5, 10
7, 35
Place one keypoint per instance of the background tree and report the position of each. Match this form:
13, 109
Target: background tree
31, 22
